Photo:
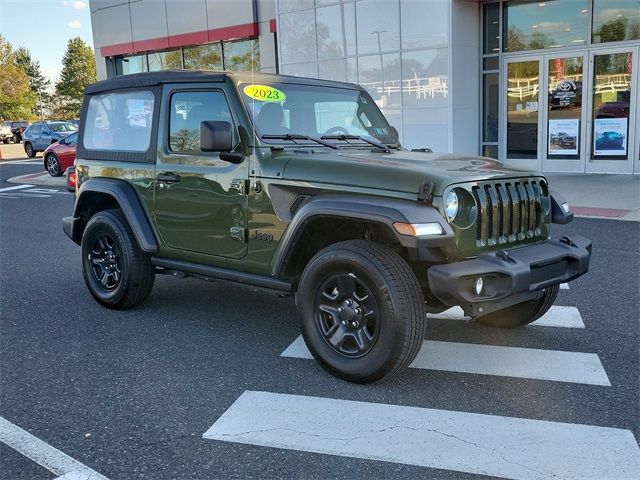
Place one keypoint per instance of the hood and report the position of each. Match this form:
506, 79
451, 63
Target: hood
401, 171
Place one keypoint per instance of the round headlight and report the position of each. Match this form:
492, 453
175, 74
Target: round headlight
452, 205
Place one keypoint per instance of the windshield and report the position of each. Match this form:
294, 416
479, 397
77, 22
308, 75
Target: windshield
315, 111
62, 127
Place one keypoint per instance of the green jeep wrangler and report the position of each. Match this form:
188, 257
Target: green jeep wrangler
300, 186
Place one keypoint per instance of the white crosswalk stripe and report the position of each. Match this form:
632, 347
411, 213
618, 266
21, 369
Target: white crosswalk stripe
448, 439
556, 365
460, 441
557, 316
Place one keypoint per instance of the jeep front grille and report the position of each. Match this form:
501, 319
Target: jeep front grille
508, 212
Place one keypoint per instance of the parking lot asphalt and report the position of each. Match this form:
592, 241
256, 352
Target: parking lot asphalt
164, 390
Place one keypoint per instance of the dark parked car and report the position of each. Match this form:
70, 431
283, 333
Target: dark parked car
40, 135
60, 155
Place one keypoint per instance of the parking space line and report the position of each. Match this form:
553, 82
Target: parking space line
557, 316
44, 454
538, 364
15, 187
452, 440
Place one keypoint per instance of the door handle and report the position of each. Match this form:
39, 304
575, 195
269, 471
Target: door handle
168, 177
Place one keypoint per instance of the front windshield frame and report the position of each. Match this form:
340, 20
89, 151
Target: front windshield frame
382, 122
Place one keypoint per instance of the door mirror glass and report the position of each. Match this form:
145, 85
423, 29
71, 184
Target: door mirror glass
216, 136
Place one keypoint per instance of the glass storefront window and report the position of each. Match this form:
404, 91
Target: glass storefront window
565, 107
297, 36
533, 25
378, 26
425, 77
523, 86
241, 56
171, 60
490, 63
424, 24
491, 29
335, 30
490, 95
133, 64
341, 70
616, 20
205, 57
380, 75
490, 151
304, 69
426, 128
611, 105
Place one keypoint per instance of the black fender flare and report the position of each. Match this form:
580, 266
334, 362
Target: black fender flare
128, 201
374, 209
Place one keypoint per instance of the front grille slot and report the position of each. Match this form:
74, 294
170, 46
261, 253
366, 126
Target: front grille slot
507, 212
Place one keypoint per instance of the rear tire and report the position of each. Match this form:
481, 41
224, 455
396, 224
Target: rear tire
117, 273
361, 310
522, 313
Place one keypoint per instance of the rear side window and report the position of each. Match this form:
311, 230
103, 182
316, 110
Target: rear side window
188, 110
119, 122
35, 130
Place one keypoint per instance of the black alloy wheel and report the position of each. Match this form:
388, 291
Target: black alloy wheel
361, 310
106, 262
117, 273
347, 315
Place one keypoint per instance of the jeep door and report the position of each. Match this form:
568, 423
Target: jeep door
200, 200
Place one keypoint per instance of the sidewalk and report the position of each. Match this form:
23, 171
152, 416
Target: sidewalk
600, 195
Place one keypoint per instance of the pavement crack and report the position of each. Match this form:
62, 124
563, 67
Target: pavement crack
493, 451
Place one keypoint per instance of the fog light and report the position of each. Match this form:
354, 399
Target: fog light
565, 207
478, 286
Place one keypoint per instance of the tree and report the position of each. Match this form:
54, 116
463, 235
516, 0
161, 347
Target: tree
37, 82
78, 71
16, 99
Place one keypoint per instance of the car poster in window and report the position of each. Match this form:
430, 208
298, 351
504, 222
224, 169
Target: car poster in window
563, 136
610, 137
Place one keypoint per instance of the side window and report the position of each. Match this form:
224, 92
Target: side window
119, 122
35, 130
188, 110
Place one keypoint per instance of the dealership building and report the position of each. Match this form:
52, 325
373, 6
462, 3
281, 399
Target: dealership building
543, 85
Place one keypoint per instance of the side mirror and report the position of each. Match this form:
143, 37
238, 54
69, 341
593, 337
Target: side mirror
216, 136
395, 130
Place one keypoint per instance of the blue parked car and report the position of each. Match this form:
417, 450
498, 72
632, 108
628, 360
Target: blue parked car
40, 135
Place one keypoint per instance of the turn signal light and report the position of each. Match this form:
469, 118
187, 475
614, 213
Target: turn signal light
418, 229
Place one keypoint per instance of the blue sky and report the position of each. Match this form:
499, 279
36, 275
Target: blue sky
44, 27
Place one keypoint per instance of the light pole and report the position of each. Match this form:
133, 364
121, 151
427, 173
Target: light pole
378, 33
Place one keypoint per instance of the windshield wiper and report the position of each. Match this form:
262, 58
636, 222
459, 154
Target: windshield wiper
343, 137
295, 136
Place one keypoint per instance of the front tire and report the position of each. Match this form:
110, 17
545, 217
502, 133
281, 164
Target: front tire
28, 149
522, 313
117, 273
52, 165
361, 310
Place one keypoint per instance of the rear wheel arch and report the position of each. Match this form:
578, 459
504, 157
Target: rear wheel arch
97, 195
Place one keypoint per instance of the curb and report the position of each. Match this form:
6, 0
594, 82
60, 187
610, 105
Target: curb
39, 179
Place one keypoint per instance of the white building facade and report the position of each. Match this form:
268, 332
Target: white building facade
550, 86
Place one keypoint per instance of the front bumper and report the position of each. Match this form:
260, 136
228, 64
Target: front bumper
510, 276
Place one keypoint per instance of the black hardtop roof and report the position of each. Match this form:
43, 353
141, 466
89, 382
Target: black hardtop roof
148, 79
